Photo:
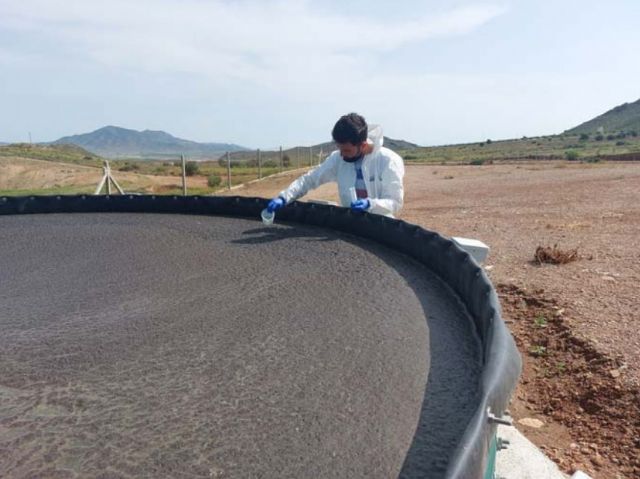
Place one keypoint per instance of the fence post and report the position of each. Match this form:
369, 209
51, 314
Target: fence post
184, 175
259, 165
228, 171
108, 173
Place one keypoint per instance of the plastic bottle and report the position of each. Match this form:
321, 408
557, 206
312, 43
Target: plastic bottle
267, 217
352, 193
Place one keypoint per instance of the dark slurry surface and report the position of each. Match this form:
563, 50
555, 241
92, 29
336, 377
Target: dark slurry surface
137, 345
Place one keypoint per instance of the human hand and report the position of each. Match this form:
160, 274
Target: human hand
275, 204
360, 205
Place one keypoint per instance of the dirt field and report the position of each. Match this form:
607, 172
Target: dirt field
576, 324
28, 174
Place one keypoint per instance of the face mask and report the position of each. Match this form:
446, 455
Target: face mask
359, 156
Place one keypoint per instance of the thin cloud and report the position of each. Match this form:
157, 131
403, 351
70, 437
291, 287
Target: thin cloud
221, 40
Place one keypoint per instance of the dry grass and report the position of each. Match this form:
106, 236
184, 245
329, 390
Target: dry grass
547, 254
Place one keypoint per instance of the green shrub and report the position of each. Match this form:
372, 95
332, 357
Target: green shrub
620, 143
584, 137
599, 137
191, 168
571, 155
477, 162
129, 167
214, 180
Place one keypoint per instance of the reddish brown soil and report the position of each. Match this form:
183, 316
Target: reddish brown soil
576, 324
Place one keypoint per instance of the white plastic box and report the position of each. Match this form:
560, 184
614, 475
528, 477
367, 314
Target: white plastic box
476, 248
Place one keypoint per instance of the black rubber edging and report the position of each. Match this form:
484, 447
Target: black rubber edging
501, 360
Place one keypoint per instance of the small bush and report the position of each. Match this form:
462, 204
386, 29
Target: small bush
214, 180
555, 255
191, 168
571, 155
129, 167
222, 161
584, 137
599, 137
633, 133
476, 162
611, 137
620, 143
489, 142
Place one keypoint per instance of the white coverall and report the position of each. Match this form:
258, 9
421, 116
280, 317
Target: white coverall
382, 170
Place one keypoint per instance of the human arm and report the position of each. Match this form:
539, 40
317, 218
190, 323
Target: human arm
325, 172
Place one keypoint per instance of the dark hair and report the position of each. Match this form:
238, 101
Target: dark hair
351, 128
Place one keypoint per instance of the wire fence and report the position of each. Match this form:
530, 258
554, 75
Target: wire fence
165, 174
236, 168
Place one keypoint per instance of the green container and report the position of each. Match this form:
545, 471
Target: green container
490, 471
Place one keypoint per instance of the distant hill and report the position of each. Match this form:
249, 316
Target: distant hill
395, 145
300, 154
61, 153
625, 118
116, 142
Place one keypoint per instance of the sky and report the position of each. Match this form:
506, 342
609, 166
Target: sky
281, 72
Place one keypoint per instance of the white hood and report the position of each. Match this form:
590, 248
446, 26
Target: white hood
375, 137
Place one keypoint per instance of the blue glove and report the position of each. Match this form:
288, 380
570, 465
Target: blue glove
360, 205
275, 204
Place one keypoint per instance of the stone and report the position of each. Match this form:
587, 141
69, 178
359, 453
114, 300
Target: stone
531, 422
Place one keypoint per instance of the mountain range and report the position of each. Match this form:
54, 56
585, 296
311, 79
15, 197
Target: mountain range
115, 142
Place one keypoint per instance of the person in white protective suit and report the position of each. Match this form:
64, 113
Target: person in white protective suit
361, 163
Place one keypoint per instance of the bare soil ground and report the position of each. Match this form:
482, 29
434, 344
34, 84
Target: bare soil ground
28, 174
576, 324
